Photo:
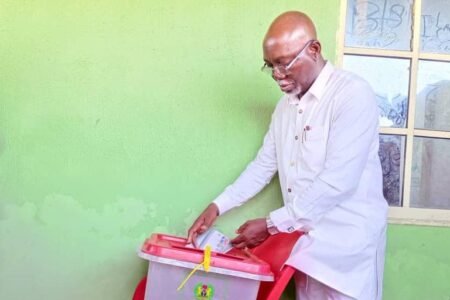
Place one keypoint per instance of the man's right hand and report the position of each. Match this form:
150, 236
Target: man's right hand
203, 222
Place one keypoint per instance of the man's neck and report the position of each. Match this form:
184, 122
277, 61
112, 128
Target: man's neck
320, 65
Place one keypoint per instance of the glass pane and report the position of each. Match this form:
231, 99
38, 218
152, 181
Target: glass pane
392, 149
383, 24
433, 96
389, 77
435, 29
430, 184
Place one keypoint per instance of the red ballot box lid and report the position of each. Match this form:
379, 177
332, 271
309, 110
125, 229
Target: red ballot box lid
176, 248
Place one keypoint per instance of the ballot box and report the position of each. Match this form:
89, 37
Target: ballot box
176, 271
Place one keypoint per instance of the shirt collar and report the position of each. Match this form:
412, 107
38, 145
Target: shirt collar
318, 87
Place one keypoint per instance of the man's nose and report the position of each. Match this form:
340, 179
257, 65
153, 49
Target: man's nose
277, 75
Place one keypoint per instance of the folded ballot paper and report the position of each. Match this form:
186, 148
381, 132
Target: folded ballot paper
217, 240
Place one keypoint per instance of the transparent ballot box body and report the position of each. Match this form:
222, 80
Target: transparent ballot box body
233, 276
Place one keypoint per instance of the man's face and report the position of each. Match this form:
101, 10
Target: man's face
297, 79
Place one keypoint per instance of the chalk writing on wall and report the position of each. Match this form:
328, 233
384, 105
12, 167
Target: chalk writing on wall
384, 24
433, 96
389, 79
435, 26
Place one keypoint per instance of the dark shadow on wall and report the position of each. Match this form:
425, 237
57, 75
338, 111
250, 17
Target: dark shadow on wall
390, 156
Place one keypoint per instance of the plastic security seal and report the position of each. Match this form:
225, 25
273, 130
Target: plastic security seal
205, 264
210, 240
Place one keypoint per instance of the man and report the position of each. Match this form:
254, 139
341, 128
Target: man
323, 141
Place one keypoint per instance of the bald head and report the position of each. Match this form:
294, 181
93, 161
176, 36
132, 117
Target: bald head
291, 27
293, 53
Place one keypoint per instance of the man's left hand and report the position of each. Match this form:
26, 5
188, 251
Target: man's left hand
251, 234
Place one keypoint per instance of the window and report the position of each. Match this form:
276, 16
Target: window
402, 48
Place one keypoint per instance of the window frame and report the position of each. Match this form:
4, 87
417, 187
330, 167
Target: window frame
403, 214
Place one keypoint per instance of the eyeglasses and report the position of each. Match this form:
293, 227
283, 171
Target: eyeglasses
281, 69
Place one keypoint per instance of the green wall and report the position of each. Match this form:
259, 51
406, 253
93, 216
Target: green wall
123, 118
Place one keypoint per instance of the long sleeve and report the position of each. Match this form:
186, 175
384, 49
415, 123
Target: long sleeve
255, 177
352, 138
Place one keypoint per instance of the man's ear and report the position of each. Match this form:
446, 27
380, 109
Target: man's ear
314, 49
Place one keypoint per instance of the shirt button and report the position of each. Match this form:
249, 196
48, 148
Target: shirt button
296, 137
300, 111
289, 190
290, 229
292, 163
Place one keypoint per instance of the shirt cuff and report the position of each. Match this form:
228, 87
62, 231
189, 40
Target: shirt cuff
224, 203
283, 221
